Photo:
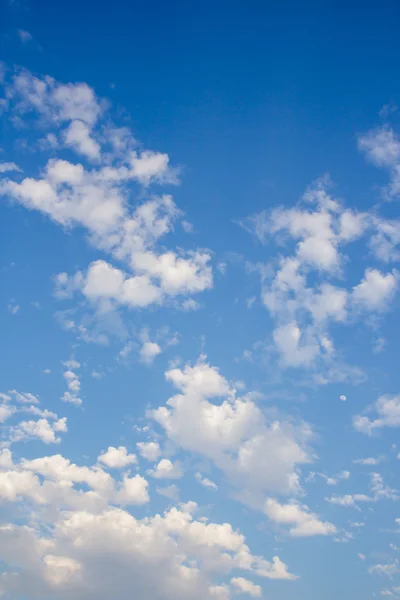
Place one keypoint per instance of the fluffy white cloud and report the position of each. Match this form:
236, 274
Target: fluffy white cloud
382, 148
296, 348
149, 450
375, 290
73, 383
244, 586
77, 136
165, 469
42, 429
255, 453
298, 291
90, 547
204, 481
303, 523
388, 415
98, 199
117, 458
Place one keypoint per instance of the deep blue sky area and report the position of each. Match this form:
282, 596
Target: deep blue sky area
235, 345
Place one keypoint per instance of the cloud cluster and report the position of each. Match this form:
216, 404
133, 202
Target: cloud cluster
80, 541
98, 198
299, 293
45, 428
387, 408
256, 453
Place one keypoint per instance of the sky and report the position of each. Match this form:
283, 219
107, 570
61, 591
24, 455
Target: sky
199, 247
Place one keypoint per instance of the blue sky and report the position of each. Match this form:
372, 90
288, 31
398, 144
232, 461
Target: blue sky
198, 301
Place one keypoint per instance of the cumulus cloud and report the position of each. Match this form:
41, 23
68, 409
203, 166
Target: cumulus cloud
256, 454
298, 288
98, 199
117, 458
165, 469
387, 409
382, 147
244, 586
92, 545
375, 290
149, 450
73, 383
302, 522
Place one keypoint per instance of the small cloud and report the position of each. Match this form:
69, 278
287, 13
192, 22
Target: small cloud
187, 227
13, 308
343, 398
250, 301
361, 556
46, 371
97, 374
190, 304
206, 482
24, 36
171, 492
378, 345
9, 166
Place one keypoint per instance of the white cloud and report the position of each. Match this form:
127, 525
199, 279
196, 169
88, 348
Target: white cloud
98, 199
297, 287
388, 415
349, 499
13, 308
71, 556
149, 450
296, 348
24, 36
378, 489
117, 458
74, 385
165, 469
375, 290
149, 351
303, 523
204, 481
42, 429
8, 166
133, 491
370, 460
256, 454
388, 569
24, 397
6, 412
78, 137
382, 148
244, 586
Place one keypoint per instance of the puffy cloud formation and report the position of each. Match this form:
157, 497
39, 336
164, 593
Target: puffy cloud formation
299, 292
98, 198
255, 453
388, 415
165, 469
302, 522
117, 458
382, 148
45, 428
149, 450
83, 543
